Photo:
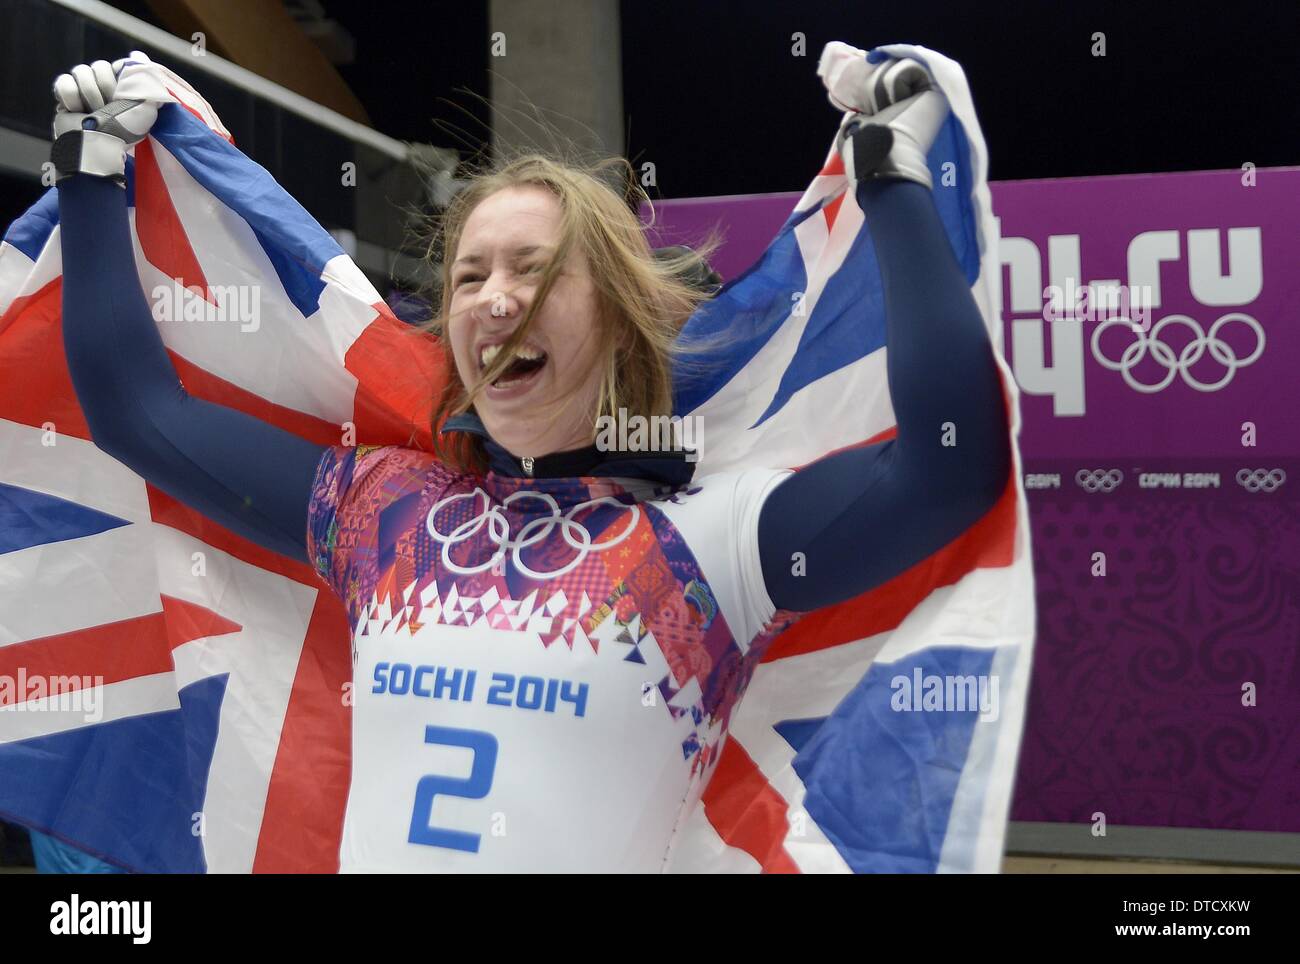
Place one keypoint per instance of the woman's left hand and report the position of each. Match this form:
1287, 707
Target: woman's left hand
896, 112
87, 92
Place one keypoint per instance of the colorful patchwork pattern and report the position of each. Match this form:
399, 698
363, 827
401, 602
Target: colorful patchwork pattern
575, 562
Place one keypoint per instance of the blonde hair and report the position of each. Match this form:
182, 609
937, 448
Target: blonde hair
642, 300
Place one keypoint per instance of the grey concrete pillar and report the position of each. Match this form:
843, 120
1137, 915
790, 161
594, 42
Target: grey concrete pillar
560, 62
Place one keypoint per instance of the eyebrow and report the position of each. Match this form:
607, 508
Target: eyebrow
520, 252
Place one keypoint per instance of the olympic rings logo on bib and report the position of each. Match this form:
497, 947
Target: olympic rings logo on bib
1261, 480
1188, 356
535, 531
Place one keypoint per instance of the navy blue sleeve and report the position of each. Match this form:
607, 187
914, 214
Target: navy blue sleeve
863, 516
251, 477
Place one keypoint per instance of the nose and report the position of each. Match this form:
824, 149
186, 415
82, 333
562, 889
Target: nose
495, 302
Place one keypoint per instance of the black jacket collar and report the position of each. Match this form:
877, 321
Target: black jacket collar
669, 468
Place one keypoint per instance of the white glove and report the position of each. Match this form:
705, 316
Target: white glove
92, 130
895, 114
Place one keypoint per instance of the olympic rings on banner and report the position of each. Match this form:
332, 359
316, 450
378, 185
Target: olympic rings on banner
1098, 480
1261, 480
1190, 354
533, 532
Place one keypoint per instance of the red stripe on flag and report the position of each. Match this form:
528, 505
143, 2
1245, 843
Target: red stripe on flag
188, 621
203, 384
834, 166
747, 812
882, 436
989, 544
33, 370
115, 651
831, 210
167, 511
163, 240
302, 825
399, 371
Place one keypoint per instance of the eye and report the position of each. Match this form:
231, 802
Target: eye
465, 279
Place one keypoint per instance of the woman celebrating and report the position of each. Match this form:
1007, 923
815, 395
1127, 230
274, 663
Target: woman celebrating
550, 638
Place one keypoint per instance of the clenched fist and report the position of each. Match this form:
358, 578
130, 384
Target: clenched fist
895, 113
92, 129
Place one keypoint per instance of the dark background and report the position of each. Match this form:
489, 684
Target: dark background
714, 98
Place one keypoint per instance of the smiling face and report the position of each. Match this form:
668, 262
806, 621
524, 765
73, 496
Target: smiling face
545, 401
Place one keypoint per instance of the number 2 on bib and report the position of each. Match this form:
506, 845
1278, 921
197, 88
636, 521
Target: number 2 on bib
473, 787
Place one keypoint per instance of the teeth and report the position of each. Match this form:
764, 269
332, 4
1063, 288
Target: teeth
491, 351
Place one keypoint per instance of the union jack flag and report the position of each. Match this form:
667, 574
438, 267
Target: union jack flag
220, 739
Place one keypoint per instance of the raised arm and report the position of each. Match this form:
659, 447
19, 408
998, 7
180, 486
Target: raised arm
863, 516
251, 477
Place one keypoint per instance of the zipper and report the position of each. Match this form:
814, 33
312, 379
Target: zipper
527, 463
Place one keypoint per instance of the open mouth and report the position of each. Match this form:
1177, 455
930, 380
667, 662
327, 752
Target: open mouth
525, 366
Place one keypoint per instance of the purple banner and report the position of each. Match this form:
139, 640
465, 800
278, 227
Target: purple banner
1151, 324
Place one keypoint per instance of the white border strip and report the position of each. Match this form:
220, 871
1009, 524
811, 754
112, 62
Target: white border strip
1247, 847
316, 113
